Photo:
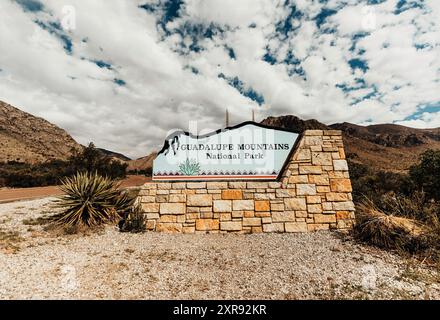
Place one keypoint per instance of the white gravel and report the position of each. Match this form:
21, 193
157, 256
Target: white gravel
36, 264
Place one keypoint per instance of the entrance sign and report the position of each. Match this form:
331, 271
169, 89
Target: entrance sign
247, 151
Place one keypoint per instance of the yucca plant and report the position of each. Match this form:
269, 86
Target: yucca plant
90, 200
134, 221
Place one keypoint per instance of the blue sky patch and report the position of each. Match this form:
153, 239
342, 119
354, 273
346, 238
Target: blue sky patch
54, 28
30, 5
323, 15
102, 64
358, 64
247, 92
404, 5
119, 82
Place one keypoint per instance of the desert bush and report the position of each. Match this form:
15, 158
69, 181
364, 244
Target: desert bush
387, 231
426, 175
90, 200
134, 221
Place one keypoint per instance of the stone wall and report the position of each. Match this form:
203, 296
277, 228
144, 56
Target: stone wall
313, 193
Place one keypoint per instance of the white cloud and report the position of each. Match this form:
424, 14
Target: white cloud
39, 75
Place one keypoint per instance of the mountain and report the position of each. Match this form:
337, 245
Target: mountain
26, 138
388, 147
142, 164
30, 139
114, 155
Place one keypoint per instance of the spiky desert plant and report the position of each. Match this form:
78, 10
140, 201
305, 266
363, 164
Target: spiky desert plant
135, 220
90, 200
189, 167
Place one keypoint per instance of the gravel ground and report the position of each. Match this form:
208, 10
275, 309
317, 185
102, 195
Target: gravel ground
35, 264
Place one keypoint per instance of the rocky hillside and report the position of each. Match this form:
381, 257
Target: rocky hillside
385, 146
26, 138
142, 164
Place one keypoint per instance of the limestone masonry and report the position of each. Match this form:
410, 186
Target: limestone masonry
313, 193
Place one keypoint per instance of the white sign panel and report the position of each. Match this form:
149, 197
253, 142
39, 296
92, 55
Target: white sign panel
246, 151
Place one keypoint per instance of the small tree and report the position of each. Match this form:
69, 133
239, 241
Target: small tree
426, 174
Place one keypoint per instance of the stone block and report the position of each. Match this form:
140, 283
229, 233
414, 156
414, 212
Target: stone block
222, 206
295, 204
199, 200
207, 224
322, 158
340, 165
283, 216
296, 226
150, 207
340, 185
343, 205
262, 205
217, 185
324, 218
251, 222
237, 184
172, 208
319, 179
336, 196
306, 189
196, 185
314, 208
310, 170
243, 205
273, 227
232, 194
299, 179
231, 225
285, 193
257, 185
177, 197
169, 227
313, 199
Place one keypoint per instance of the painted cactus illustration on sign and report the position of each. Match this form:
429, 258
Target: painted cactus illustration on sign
189, 167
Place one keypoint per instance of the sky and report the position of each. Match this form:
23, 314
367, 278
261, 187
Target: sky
126, 73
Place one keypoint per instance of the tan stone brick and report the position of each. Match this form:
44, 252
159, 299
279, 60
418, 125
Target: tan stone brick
150, 224
266, 220
322, 158
283, 216
295, 204
215, 191
196, 185
217, 185
285, 193
222, 205
324, 218
225, 216
161, 198
317, 227
313, 140
169, 227
150, 207
232, 194
178, 185
200, 200
248, 195
274, 185
262, 214
207, 224
149, 186
332, 132
343, 215
303, 154
237, 185
148, 199
327, 206
206, 215
237, 214
257, 185
305, 189
340, 185
313, 132
251, 222
301, 214
249, 214
310, 170
172, 208
189, 229
167, 218
320, 180
314, 208
296, 226
263, 196
243, 204
152, 215
340, 165
273, 227
322, 189
262, 205
257, 229
164, 186
299, 179
177, 197
162, 192
313, 199
341, 153
231, 225
335, 196
317, 148
277, 206
192, 216
343, 205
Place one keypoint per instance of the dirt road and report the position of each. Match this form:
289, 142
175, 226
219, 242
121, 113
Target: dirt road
10, 195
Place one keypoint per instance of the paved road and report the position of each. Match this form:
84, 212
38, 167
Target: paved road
9, 195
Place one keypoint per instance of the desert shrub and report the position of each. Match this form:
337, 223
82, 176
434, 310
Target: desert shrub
90, 200
390, 232
426, 175
134, 221
22, 175
91, 159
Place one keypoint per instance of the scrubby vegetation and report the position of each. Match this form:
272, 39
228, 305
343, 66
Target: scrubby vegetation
17, 174
400, 210
90, 200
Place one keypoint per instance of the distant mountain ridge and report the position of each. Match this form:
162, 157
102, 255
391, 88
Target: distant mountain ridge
383, 146
31, 139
